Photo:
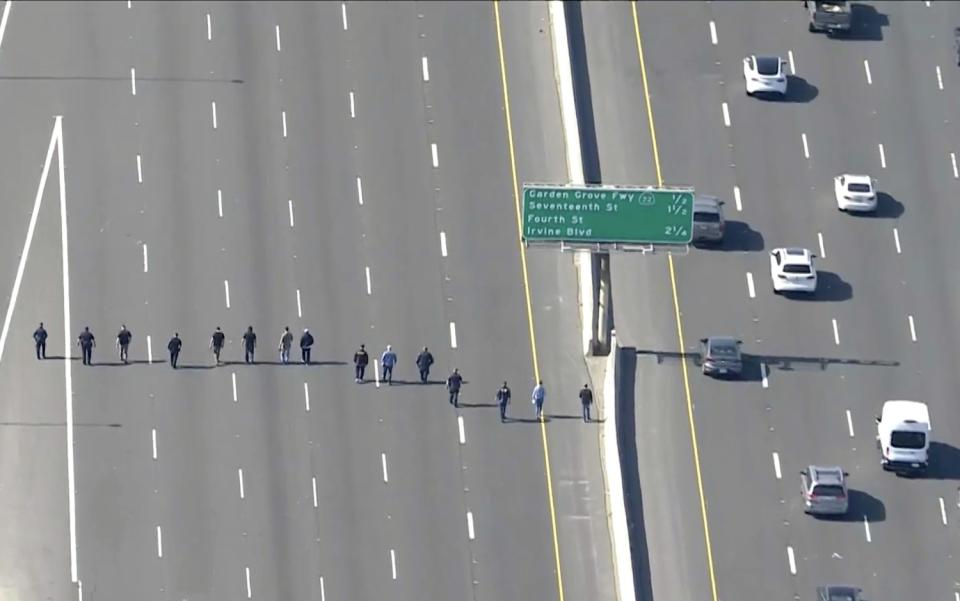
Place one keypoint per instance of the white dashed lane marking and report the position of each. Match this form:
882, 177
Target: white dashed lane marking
299, 305
836, 333
209, 28
383, 465
913, 329
939, 78
751, 291
213, 112
149, 350
139, 170
233, 382
736, 198
353, 109
359, 191
226, 292
367, 272
277, 28
249, 590
453, 335
443, 244
776, 465
313, 482
290, 211
943, 512
791, 560
793, 66
866, 529
764, 381
896, 239
133, 81
726, 114
823, 251
426, 69
343, 10
240, 480
953, 162
306, 397
883, 156
145, 264
806, 148
470, 532
713, 33
153, 441
283, 118
866, 67
393, 563
436, 156
220, 202
159, 542
849, 423
462, 430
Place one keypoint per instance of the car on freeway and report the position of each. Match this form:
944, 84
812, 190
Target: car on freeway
824, 490
764, 74
720, 356
855, 193
708, 221
831, 16
838, 593
792, 270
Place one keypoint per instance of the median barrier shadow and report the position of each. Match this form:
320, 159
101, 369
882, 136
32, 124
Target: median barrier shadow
799, 90
752, 370
867, 24
888, 207
625, 408
830, 288
737, 237
669, 355
944, 462
582, 93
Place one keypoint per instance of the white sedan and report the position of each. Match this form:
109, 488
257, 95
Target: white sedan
855, 192
792, 270
764, 74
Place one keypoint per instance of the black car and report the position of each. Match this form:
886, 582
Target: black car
838, 593
721, 356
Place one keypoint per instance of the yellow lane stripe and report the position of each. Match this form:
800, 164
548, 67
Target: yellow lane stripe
676, 312
526, 291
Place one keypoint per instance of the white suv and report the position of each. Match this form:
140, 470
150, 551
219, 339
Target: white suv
855, 192
792, 270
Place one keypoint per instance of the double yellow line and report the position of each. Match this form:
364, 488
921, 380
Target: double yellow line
529, 309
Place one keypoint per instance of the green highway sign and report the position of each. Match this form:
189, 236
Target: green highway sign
598, 214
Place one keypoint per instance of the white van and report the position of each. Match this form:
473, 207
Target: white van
903, 435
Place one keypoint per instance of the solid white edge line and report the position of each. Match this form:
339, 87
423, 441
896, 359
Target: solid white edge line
866, 529
943, 512
776, 465
213, 111
249, 590
896, 239
793, 66
443, 244
850, 423
220, 202
376, 373
453, 335
751, 291
209, 28
153, 442
836, 333
736, 198
383, 465
145, 265
233, 381
277, 28
159, 542
470, 532
343, 10
226, 292
792, 560
726, 114
913, 329
764, 382
883, 156
823, 251
866, 67
426, 69
299, 305
353, 110
939, 78
313, 481
359, 190
133, 81
290, 211
435, 155
240, 480
713, 33
367, 272
306, 397
149, 350
462, 430
139, 169
283, 118
806, 148
393, 563
953, 161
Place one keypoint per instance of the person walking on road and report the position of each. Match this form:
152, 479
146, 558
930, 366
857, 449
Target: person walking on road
123, 342
216, 343
86, 341
388, 359
454, 380
306, 343
424, 361
249, 345
360, 361
286, 341
40, 339
503, 399
586, 399
539, 395
174, 347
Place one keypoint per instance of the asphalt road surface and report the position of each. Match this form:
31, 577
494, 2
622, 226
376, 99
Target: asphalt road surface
882, 325
273, 165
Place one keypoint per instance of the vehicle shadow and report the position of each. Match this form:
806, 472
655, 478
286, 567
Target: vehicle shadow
799, 90
738, 237
867, 24
862, 506
830, 288
944, 462
888, 207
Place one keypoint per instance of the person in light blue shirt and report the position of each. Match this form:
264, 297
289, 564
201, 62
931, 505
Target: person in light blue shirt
539, 395
388, 359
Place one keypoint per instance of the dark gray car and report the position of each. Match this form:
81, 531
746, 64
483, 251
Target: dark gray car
721, 356
838, 593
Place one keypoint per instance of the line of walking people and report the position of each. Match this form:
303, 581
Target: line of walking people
361, 359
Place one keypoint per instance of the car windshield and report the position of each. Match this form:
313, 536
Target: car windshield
768, 65
723, 350
828, 490
907, 440
841, 596
794, 268
862, 188
706, 217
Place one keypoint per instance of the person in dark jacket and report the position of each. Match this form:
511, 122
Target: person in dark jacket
360, 361
123, 341
174, 347
40, 340
306, 344
424, 361
503, 399
454, 381
249, 345
586, 399
216, 343
86, 341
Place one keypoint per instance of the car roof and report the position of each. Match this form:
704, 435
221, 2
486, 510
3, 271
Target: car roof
767, 63
706, 203
852, 178
723, 341
827, 592
795, 255
900, 411
826, 475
